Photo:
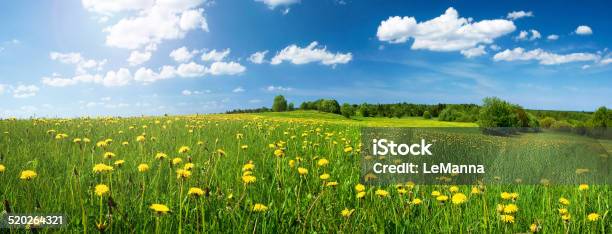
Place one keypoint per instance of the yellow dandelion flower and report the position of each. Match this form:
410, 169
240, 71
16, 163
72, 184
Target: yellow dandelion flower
183, 149
510, 208
259, 208
2, 168
348, 149
109, 155
514, 196
507, 218
453, 189
176, 161
435, 193
534, 228
359, 187
566, 217
119, 163
244, 147
101, 189
77, 140
125, 143
188, 166
381, 193
302, 171
28, 175
86, 140
220, 152
322, 162
563, 211
196, 192
247, 173
140, 138
182, 174
361, 194
159, 209
505, 196
248, 167
442, 198
564, 201
593, 217
279, 153
331, 184
475, 190
346, 212
583, 187
161, 156
458, 198
248, 179
500, 208
324, 176
101, 167
416, 201
143, 167
291, 163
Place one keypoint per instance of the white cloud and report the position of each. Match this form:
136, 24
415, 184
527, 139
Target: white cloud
215, 55
25, 91
545, 58
446, 32
137, 58
494, 47
238, 90
519, 14
2, 89
311, 53
274, 3
146, 75
164, 20
584, 30
58, 81
182, 54
223, 68
186, 92
272, 88
474, 52
191, 70
258, 57
108, 7
524, 35
552, 37
82, 64
605, 61
119, 78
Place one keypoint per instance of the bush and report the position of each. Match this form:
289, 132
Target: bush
547, 122
458, 113
280, 104
562, 126
497, 117
347, 110
426, 115
601, 117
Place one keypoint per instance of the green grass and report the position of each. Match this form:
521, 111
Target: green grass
296, 204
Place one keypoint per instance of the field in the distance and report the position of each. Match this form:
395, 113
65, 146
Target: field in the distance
267, 173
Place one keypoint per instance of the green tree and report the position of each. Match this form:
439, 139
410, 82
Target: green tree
497, 116
280, 104
330, 106
601, 117
347, 110
426, 115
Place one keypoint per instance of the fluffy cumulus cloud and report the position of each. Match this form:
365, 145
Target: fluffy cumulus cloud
82, 64
120, 77
583, 30
474, 52
258, 57
447, 32
25, 91
191, 69
137, 57
238, 90
552, 37
275, 3
524, 35
147, 22
273, 88
544, 57
225, 68
309, 54
519, 14
215, 55
182, 54
146, 75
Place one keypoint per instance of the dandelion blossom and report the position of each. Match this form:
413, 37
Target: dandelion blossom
566, 217
109, 155
2, 168
143, 167
28, 175
346, 212
119, 163
324, 176
442, 198
459, 198
140, 138
564, 201
188, 166
507, 218
475, 190
593, 217
183, 149
563, 211
248, 179
359, 187
331, 184
176, 161
510, 209
196, 192
259, 207
182, 174
453, 189
435, 193
381, 193
322, 162
416, 201
583, 187
361, 194
101, 167
159, 209
101, 189
534, 228
161, 156
302, 171
279, 153
248, 167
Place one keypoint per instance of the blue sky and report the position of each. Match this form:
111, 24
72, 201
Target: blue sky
147, 57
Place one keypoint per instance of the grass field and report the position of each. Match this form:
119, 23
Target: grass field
294, 172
